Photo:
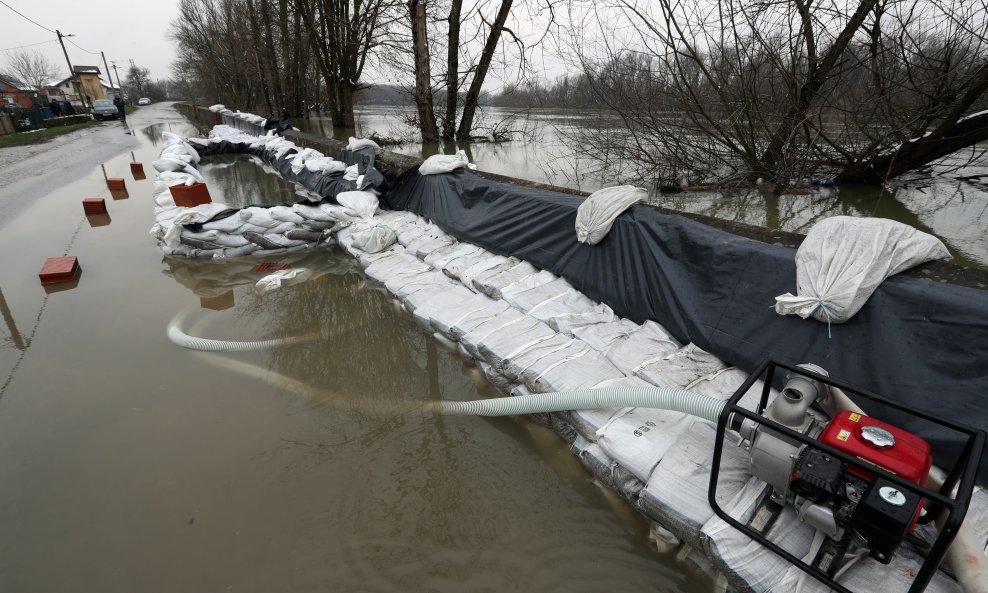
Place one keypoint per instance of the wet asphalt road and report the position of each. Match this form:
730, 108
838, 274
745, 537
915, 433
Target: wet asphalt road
28, 173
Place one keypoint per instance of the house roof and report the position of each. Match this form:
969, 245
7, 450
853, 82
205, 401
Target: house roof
17, 84
86, 70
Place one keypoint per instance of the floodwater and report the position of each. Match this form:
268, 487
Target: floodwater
937, 201
130, 464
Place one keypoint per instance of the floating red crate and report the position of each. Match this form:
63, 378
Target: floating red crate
59, 269
94, 205
188, 196
137, 169
116, 183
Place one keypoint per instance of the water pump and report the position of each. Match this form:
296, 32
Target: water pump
856, 479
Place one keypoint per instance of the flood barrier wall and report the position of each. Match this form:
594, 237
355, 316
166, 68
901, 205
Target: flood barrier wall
918, 342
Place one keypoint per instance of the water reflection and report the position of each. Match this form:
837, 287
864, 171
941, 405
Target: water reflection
241, 181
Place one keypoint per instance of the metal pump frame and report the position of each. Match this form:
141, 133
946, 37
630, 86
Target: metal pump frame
962, 473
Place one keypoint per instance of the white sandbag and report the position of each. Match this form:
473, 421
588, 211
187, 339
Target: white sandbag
358, 204
481, 280
476, 334
309, 212
843, 259
445, 163
446, 299
440, 257
676, 490
164, 200
217, 108
600, 336
680, 368
404, 287
581, 372
231, 240
285, 214
351, 173
596, 214
639, 438
325, 165
411, 232
471, 320
426, 244
468, 274
526, 283
454, 268
168, 164
374, 239
205, 235
526, 300
443, 320
512, 340
648, 342
514, 364
568, 322
298, 161
358, 143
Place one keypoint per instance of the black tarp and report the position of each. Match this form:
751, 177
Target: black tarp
917, 342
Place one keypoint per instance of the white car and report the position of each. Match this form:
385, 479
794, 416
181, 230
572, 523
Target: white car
144, 101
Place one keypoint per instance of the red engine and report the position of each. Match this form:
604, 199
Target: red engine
882, 445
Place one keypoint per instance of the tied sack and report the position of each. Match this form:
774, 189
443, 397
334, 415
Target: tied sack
597, 213
843, 260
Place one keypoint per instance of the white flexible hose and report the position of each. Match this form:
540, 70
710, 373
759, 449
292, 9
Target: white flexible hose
180, 338
676, 400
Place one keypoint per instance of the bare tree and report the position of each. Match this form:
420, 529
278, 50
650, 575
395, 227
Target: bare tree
781, 90
32, 68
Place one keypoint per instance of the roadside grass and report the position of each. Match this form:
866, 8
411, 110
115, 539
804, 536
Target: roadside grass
43, 135
190, 114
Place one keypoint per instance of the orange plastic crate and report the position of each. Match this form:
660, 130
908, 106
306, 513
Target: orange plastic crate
94, 205
59, 269
188, 196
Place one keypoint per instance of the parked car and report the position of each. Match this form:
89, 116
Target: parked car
105, 109
144, 101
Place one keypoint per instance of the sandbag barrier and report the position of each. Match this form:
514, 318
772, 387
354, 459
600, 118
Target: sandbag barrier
531, 331
216, 231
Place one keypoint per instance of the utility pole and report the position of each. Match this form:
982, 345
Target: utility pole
119, 86
108, 76
72, 75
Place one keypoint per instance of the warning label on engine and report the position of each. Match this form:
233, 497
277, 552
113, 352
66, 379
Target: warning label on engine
843, 435
854, 417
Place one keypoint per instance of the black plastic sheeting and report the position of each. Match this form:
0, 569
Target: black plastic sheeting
916, 342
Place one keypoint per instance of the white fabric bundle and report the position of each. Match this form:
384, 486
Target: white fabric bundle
596, 214
375, 239
843, 260
358, 143
358, 204
445, 163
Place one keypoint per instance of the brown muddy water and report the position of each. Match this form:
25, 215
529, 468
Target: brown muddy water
130, 464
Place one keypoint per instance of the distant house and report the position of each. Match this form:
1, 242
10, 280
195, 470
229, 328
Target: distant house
90, 84
14, 93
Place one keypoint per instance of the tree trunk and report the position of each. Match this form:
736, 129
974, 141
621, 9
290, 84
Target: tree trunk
818, 76
423, 76
255, 32
473, 95
452, 71
272, 57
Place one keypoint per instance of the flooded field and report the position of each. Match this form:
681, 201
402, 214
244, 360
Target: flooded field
936, 201
130, 464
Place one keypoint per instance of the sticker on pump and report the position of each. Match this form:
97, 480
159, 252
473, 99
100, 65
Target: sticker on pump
854, 417
843, 435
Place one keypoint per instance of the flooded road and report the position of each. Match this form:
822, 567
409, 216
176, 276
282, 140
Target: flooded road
130, 464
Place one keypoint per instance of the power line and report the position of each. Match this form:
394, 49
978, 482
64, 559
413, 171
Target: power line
95, 53
28, 18
29, 45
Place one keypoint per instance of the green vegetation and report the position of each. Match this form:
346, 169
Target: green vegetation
43, 135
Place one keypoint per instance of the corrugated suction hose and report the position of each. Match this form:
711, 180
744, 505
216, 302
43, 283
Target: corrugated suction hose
676, 400
180, 338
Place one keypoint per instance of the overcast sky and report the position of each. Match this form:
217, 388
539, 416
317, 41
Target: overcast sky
122, 30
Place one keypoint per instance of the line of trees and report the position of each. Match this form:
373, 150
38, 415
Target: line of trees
781, 90
287, 56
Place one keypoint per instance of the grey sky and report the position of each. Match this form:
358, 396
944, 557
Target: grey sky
123, 30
